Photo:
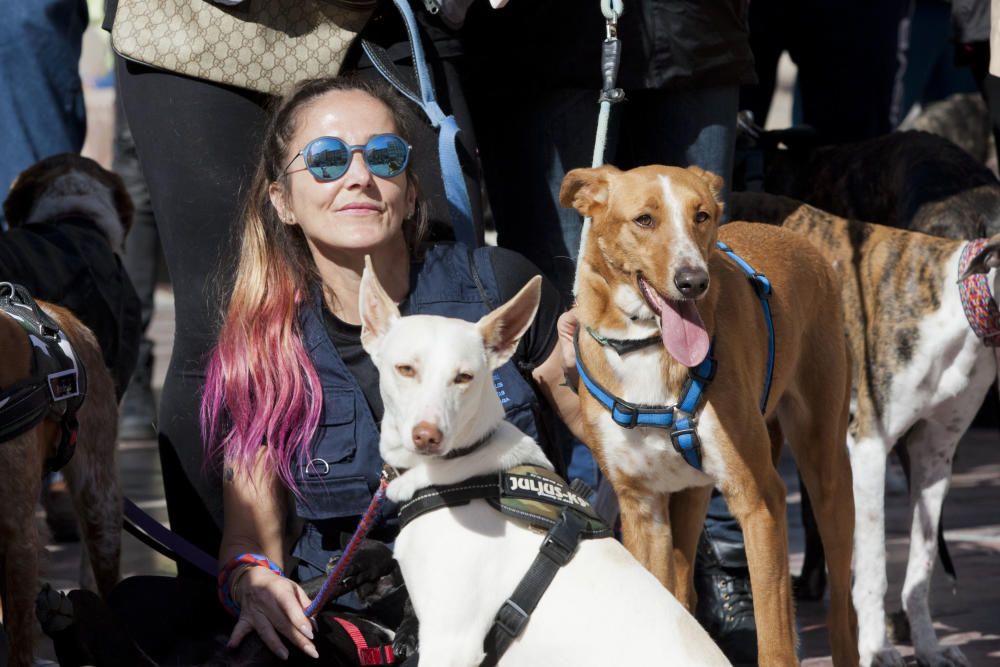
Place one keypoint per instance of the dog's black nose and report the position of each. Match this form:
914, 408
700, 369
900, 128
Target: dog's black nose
426, 437
691, 281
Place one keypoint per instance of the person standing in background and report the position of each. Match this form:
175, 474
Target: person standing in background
41, 97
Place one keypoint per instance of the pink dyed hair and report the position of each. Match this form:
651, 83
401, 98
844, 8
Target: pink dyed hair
261, 386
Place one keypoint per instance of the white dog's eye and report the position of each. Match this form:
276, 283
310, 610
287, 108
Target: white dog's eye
406, 370
463, 378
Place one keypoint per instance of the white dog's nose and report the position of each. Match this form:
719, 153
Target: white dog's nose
427, 437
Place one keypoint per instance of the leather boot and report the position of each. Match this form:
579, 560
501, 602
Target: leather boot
725, 603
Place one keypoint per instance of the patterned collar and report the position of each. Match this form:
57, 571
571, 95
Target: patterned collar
979, 305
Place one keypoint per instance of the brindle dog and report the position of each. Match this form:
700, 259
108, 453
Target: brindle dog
920, 373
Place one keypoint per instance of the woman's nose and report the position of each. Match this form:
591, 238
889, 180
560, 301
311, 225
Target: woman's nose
357, 171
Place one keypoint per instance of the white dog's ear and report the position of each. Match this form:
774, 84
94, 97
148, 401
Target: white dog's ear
502, 329
378, 312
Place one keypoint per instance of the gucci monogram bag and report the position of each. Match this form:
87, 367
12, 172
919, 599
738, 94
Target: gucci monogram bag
263, 45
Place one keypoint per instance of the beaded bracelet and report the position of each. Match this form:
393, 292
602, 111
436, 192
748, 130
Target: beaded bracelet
225, 593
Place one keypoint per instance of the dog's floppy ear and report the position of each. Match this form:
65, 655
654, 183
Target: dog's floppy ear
502, 329
713, 181
987, 258
378, 312
587, 190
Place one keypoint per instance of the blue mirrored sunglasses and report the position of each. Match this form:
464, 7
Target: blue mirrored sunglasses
329, 158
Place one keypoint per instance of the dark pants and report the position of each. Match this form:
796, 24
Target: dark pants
848, 60
142, 245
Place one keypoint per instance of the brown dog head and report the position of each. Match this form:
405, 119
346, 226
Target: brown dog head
653, 231
70, 184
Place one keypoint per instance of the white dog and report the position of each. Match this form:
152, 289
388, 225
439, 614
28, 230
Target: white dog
461, 563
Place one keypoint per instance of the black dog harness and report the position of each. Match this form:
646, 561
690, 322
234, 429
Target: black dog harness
528, 494
57, 384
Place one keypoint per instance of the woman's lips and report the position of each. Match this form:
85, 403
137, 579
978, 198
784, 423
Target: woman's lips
360, 209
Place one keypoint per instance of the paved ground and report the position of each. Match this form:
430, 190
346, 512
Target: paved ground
968, 615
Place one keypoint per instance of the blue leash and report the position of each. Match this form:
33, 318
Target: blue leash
681, 418
459, 205
762, 286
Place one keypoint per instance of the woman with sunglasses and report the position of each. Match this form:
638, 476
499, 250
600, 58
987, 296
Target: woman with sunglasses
291, 405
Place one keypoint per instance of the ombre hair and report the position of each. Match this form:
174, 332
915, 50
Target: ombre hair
261, 386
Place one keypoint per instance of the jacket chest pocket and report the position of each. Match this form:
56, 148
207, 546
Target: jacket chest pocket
335, 443
333, 481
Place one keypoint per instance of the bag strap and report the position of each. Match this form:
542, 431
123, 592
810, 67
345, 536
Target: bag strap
459, 204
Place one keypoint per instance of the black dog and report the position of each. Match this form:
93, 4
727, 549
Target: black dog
132, 630
68, 219
911, 180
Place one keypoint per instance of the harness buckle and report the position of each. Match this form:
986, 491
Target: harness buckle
511, 618
64, 385
677, 434
629, 411
563, 538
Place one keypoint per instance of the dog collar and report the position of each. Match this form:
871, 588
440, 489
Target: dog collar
979, 305
624, 346
464, 451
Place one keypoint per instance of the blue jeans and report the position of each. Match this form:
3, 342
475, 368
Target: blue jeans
683, 128
41, 97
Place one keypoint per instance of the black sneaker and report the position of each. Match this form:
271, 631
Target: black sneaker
725, 605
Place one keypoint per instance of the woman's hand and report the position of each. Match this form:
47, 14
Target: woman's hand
271, 604
567, 326
557, 377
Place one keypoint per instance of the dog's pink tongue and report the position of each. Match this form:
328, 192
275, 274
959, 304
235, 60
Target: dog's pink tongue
682, 330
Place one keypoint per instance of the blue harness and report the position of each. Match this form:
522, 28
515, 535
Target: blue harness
681, 419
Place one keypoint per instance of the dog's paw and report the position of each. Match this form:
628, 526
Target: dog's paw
54, 610
372, 562
406, 641
944, 656
401, 489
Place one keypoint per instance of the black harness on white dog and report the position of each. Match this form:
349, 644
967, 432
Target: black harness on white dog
57, 384
528, 494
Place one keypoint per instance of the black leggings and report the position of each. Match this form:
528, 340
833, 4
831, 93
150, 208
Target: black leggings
197, 143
